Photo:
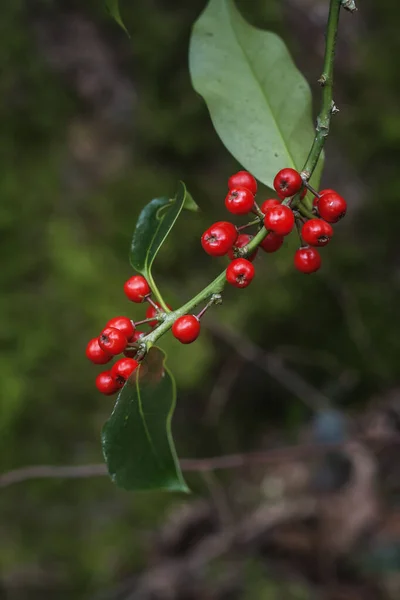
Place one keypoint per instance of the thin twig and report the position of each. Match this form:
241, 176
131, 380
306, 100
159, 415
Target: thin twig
220, 392
273, 365
194, 465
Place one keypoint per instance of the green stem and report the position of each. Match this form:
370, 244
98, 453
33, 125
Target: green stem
157, 293
326, 80
322, 130
215, 287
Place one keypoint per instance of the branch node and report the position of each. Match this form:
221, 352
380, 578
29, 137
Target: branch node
323, 80
334, 108
349, 5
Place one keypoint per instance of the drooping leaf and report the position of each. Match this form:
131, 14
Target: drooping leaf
137, 441
260, 104
154, 224
112, 7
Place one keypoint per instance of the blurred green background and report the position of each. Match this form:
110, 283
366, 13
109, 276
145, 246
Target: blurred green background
93, 125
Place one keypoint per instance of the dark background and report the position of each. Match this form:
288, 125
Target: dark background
92, 126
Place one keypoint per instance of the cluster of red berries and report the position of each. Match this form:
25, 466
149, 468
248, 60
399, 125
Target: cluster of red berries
120, 336
277, 216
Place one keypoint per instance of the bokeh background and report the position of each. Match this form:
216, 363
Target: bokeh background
93, 125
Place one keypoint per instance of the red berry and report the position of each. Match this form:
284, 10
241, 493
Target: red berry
151, 312
243, 179
124, 324
106, 384
315, 199
316, 232
186, 329
219, 238
240, 273
121, 370
97, 354
331, 206
307, 260
287, 183
279, 219
243, 240
267, 204
137, 288
272, 242
239, 201
112, 340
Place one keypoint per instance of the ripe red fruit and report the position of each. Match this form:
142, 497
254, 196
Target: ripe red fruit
186, 329
121, 370
106, 384
287, 183
279, 219
331, 206
239, 201
272, 242
151, 312
219, 238
97, 354
307, 260
243, 240
243, 179
270, 203
240, 273
124, 324
137, 288
112, 340
316, 232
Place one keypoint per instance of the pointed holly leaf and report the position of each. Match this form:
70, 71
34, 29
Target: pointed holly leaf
112, 7
153, 226
137, 441
259, 103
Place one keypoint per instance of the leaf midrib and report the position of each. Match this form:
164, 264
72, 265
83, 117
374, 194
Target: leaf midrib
277, 126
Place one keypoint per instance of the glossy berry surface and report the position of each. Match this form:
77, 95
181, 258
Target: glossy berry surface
243, 179
97, 354
270, 203
218, 239
240, 273
112, 340
137, 288
272, 242
279, 219
124, 324
106, 384
287, 183
186, 329
239, 201
316, 232
243, 240
122, 369
307, 260
331, 206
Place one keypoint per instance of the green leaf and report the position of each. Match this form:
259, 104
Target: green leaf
112, 7
259, 102
154, 224
137, 440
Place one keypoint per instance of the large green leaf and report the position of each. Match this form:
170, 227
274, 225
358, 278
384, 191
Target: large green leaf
137, 441
112, 7
259, 102
153, 226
